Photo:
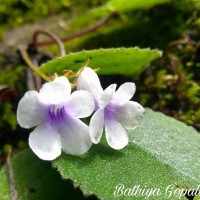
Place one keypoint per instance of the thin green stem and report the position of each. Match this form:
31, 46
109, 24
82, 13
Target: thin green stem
33, 67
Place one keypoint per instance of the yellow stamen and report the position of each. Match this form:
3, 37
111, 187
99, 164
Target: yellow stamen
73, 85
54, 76
80, 71
69, 74
96, 69
87, 63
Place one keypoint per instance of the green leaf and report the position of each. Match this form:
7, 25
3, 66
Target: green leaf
162, 153
126, 61
121, 6
36, 180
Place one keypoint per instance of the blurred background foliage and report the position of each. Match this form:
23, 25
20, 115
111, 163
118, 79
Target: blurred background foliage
169, 84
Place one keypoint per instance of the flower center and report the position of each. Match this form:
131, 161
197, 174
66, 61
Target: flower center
109, 111
56, 113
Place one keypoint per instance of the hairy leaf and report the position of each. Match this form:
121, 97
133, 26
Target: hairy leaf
126, 61
162, 154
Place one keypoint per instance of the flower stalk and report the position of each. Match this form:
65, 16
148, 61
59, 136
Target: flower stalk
32, 66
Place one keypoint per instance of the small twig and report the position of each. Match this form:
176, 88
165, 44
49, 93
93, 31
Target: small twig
30, 64
78, 34
30, 80
181, 41
52, 36
13, 191
38, 80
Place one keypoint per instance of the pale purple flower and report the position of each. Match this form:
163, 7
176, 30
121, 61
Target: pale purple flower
56, 113
114, 111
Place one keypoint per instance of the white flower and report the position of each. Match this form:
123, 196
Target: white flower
113, 109
56, 113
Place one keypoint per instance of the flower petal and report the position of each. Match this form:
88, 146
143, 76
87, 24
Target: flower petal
96, 126
124, 93
107, 95
45, 142
129, 114
89, 81
115, 134
56, 91
75, 137
31, 110
80, 105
